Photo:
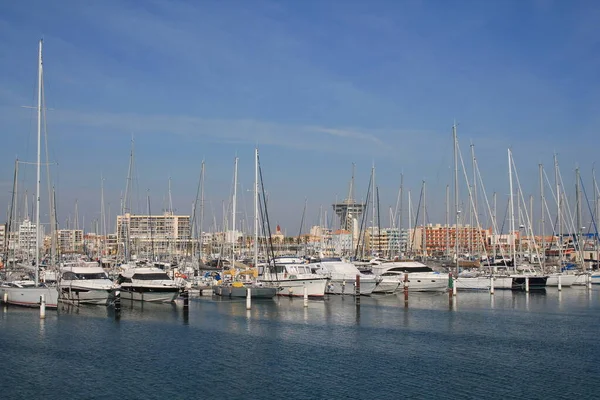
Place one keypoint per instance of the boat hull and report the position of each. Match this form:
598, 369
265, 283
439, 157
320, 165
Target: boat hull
150, 294
30, 296
256, 292
482, 283
426, 282
84, 295
566, 280
387, 285
295, 287
535, 282
343, 286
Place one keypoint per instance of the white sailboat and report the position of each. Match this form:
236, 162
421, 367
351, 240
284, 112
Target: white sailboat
14, 292
245, 280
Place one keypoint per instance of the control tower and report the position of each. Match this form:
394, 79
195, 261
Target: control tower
349, 210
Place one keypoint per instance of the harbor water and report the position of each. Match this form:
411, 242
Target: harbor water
511, 345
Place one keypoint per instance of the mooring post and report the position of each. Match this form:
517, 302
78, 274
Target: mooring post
357, 290
406, 289
248, 299
42, 307
305, 296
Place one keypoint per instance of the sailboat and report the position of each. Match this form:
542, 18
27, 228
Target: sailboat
245, 280
30, 295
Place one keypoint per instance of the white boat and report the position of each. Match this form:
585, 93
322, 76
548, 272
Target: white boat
258, 290
341, 276
86, 285
481, 281
27, 294
148, 284
566, 280
293, 277
421, 278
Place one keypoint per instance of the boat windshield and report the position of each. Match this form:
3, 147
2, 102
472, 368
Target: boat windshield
71, 276
155, 276
423, 268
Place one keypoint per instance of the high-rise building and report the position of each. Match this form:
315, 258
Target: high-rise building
165, 234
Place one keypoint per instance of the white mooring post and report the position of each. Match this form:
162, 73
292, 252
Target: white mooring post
559, 283
491, 285
42, 307
248, 299
305, 296
527, 284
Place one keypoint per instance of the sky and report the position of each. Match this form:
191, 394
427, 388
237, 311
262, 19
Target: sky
317, 86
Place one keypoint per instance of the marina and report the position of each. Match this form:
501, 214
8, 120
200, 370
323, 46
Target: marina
381, 349
299, 200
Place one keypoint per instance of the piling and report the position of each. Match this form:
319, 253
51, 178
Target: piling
450, 287
527, 284
406, 289
491, 285
5, 298
186, 299
357, 291
589, 281
305, 296
559, 283
343, 286
42, 307
248, 299
117, 304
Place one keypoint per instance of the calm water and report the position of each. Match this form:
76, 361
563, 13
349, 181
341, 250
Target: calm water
510, 346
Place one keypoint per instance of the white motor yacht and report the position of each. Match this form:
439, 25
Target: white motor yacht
421, 278
292, 275
148, 284
341, 276
86, 285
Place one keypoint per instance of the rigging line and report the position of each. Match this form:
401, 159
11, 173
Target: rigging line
361, 233
589, 208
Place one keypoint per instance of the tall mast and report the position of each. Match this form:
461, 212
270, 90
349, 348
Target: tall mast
512, 209
543, 221
255, 208
558, 210
400, 216
424, 236
233, 212
495, 226
578, 216
455, 193
447, 221
38, 168
372, 241
410, 232
201, 210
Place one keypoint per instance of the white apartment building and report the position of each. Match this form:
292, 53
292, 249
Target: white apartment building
153, 234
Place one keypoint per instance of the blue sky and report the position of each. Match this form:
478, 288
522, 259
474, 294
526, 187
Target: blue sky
317, 85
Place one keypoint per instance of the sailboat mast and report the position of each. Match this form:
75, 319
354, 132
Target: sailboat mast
255, 208
38, 168
424, 236
512, 209
447, 221
578, 216
455, 194
558, 210
201, 210
233, 212
543, 221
